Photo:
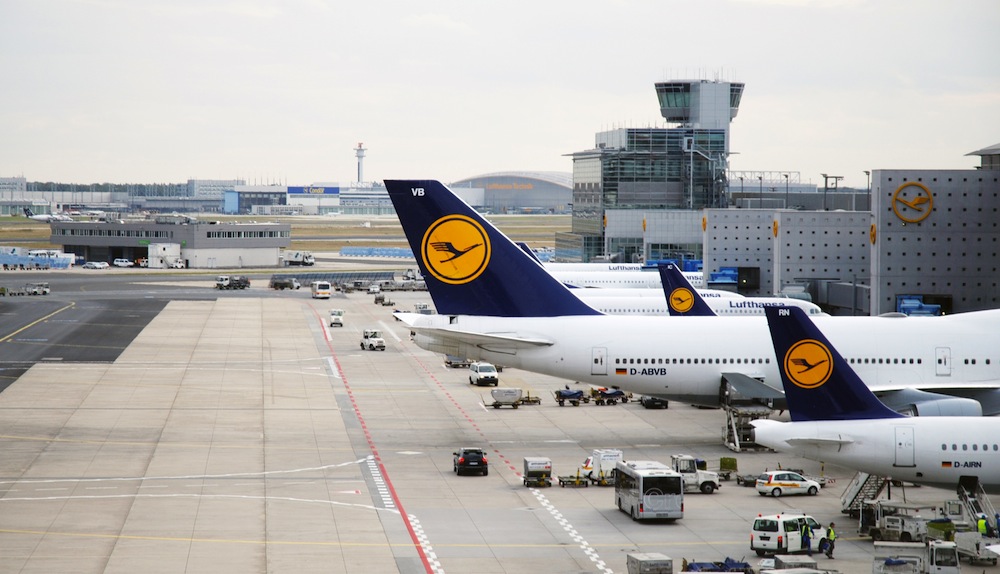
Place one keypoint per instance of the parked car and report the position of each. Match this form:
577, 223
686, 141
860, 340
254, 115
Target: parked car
653, 402
121, 262
471, 459
781, 482
483, 374
96, 265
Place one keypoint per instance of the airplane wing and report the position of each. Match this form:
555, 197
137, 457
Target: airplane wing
450, 335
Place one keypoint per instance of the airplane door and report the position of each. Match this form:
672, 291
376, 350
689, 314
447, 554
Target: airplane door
599, 364
942, 356
904, 446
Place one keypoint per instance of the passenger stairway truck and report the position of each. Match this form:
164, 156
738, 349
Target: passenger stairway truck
862, 487
963, 515
696, 478
932, 557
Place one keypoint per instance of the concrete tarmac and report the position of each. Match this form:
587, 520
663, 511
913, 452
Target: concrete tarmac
244, 435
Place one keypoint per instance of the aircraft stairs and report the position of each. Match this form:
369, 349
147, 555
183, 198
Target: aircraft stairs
744, 400
976, 502
862, 487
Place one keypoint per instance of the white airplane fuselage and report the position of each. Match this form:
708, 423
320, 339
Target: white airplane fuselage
683, 358
620, 279
742, 306
927, 450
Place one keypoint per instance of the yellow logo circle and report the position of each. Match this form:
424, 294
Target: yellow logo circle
808, 364
455, 249
681, 299
912, 206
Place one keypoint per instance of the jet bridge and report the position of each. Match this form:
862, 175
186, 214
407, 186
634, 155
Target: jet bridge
745, 399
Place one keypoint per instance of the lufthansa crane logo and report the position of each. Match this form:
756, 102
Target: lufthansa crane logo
808, 364
681, 299
455, 249
912, 202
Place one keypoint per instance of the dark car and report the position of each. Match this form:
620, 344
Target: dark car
471, 460
653, 402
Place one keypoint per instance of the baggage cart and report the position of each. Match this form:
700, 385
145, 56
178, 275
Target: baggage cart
537, 471
574, 398
503, 397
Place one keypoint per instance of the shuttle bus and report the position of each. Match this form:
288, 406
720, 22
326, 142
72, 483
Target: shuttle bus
321, 289
646, 489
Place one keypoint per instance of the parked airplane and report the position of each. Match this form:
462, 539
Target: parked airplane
498, 305
619, 279
836, 418
587, 292
46, 217
682, 299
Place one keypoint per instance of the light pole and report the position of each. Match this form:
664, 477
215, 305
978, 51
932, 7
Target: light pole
868, 180
786, 190
741, 188
760, 191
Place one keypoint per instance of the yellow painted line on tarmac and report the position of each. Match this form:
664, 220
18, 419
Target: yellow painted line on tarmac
37, 321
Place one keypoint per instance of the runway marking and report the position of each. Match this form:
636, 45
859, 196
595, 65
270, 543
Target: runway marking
263, 473
37, 321
584, 545
421, 545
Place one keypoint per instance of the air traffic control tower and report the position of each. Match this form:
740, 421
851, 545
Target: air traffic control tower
654, 168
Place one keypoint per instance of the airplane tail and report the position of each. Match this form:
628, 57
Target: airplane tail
28, 212
682, 298
470, 267
818, 382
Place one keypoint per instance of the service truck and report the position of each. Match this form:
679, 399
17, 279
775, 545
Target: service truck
695, 479
891, 520
299, 258
232, 282
934, 557
372, 340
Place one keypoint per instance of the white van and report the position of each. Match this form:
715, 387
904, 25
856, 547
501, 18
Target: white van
122, 263
321, 289
782, 533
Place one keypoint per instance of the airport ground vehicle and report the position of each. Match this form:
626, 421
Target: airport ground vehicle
600, 466
646, 489
321, 289
455, 361
782, 533
934, 557
606, 396
537, 471
483, 374
782, 482
469, 459
504, 397
122, 263
299, 258
695, 478
896, 521
371, 340
280, 283
653, 402
232, 282
37, 288
574, 398
336, 317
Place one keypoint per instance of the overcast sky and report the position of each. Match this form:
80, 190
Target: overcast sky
282, 91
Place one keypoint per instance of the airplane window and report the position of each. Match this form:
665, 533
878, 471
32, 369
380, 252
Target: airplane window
973, 361
965, 447
975, 447
954, 447
944, 447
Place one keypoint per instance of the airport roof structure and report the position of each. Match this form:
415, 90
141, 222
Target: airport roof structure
991, 150
554, 177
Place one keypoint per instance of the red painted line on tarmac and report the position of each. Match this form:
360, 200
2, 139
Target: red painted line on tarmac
378, 458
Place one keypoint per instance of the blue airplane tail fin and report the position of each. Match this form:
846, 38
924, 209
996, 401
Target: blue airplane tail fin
818, 382
682, 298
470, 267
28, 212
527, 249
